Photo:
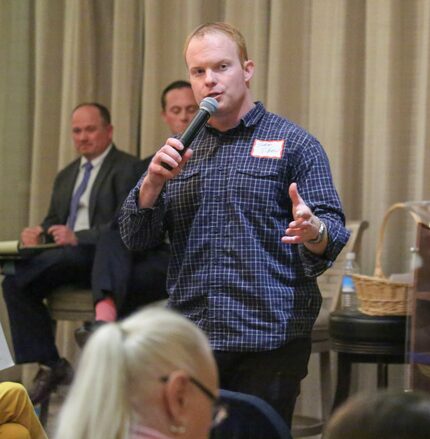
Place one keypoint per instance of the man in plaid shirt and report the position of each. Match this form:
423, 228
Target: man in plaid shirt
253, 219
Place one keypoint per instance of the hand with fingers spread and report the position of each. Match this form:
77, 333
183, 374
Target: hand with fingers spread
306, 228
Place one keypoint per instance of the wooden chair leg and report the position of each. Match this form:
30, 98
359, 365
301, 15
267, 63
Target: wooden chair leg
382, 374
343, 380
326, 390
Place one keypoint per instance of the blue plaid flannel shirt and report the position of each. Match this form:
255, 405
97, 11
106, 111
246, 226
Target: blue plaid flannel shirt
226, 213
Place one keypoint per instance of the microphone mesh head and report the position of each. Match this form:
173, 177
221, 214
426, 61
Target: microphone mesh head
209, 104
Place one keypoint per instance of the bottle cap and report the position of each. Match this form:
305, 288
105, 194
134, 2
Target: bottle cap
350, 256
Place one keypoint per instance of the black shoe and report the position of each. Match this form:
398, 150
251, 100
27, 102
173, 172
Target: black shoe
83, 333
48, 378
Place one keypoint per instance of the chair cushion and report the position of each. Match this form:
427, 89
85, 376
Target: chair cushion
71, 303
355, 326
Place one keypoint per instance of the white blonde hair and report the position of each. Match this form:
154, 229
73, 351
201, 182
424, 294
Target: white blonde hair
121, 364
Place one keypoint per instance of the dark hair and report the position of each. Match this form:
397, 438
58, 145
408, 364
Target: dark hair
172, 86
384, 415
104, 112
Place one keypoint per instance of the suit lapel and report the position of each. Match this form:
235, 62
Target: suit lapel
69, 183
105, 170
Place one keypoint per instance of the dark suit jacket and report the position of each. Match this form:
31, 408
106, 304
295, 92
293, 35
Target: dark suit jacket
117, 175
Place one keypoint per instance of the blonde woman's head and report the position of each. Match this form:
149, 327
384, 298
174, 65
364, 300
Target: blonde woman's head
147, 370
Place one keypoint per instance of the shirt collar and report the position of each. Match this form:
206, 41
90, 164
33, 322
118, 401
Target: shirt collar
254, 115
98, 160
249, 119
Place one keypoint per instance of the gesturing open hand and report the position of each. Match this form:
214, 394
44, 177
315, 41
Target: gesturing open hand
305, 225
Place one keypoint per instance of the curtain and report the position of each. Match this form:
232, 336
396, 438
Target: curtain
354, 73
16, 112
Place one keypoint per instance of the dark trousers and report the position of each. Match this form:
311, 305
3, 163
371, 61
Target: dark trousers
24, 292
132, 278
274, 376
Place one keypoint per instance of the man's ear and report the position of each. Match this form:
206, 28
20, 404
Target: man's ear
109, 129
175, 394
248, 69
163, 116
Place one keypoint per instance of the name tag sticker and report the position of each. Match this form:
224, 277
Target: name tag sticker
270, 149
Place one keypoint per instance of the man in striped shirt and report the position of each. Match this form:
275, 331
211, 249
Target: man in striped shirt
253, 218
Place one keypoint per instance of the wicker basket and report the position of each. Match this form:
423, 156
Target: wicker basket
378, 295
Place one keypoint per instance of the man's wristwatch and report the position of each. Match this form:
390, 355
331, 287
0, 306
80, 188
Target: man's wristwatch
320, 237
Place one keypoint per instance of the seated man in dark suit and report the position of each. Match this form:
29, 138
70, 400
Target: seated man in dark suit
123, 280
86, 195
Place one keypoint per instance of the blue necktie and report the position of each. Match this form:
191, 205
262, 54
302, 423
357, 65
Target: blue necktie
74, 205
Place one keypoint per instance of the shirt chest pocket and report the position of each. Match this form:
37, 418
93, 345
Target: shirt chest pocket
257, 188
184, 191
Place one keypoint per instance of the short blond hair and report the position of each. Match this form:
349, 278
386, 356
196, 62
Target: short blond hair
223, 28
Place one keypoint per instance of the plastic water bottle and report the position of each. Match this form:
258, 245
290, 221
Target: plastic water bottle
349, 295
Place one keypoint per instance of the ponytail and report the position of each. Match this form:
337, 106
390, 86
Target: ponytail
96, 406
120, 370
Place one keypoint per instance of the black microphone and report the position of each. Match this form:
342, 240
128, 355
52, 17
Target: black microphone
207, 107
